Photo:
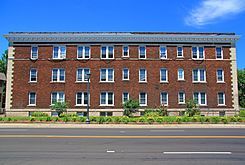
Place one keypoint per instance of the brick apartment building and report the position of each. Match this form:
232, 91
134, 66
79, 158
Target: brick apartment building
155, 68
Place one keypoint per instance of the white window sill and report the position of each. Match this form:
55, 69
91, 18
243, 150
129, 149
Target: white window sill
83, 58
142, 58
33, 58
143, 105
81, 105
203, 105
125, 56
220, 82
31, 105
199, 82
197, 59
107, 58
221, 105
125, 79
58, 58
62, 82
164, 82
106, 105
32, 82
82, 82
182, 80
163, 58
219, 58
181, 103
180, 57
107, 82
142, 82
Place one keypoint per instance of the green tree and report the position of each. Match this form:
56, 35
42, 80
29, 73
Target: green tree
60, 107
192, 108
3, 62
241, 87
131, 106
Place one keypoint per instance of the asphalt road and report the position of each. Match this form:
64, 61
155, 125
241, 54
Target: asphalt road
122, 146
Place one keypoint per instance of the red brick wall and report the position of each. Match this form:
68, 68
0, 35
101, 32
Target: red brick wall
153, 87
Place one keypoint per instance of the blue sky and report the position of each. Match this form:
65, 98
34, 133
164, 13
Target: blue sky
125, 15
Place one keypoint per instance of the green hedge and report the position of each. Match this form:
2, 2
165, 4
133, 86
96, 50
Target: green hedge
126, 120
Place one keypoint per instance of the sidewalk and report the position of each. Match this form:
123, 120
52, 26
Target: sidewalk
68, 125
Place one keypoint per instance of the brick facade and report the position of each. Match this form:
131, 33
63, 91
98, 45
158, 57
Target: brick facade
44, 86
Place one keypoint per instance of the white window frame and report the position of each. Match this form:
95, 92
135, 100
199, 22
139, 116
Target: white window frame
123, 97
29, 96
182, 52
107, 51
221, 53
83, 75
32, 52
57, 97
166, 104
123, 51
83, 53
181, 79
123, 74
59, 52
217, 77
198, 53
162, 81
199, 76
145, 99
166, 52
106, 99
223, 99
58, 75
145, 76
183, 97
30, 75
107, 75
139, 51
82, 99
199, 98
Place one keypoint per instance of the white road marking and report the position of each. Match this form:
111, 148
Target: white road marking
167, 130
13, 130
122, 131
110, 151
217, 153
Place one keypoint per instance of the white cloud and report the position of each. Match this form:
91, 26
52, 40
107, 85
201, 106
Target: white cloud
211, 11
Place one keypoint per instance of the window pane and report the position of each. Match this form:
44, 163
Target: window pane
125, 51
79, 98
180, 74
61, 97
179, 52
201, 52
125, 97
62, 74
87, 52
218, 53
110, 74
110, 98
202, 75
56, 52
86, 72
142, 75
125, 74
103, 51
142, 98
221, 98
203, 98
163, 75
195, 75
103, 98
164, 98
33, 75
181, 97
110, 50
55, 75
103, 75
142, 52
32, 98
195, 97
163, 52
62, 52
79, 74
54, 98
34, 52
194, 52
80, 52
220, 75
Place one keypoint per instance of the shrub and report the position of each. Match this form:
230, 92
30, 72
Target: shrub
215, 119
65, 119
82, 119
142, 119
32, 119
232, 119
192, 108
60, 107
55, 119
1, 118
178, 119
242, 113
115, 119
39, 114
159, 120
131, 106
108, 119
150, 120
100, 119
224, 120
151, 113
124, 119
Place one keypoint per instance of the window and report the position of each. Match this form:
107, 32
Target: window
221, 98
142, 52
105, 113
81, 114
32, 99
200, 98
107, 52
33, 75
199, 75
125, 97
163, 52
198, 52
125, 74
142, 75
220, 75
34, 52
58, 75
164, 98
180, 52
82, 98
163, 75
143, 99
59, 52
107, 75
125, 51
181, 75
181, 98
57, 97
82, 74
106, 98
83, 52
219, 53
